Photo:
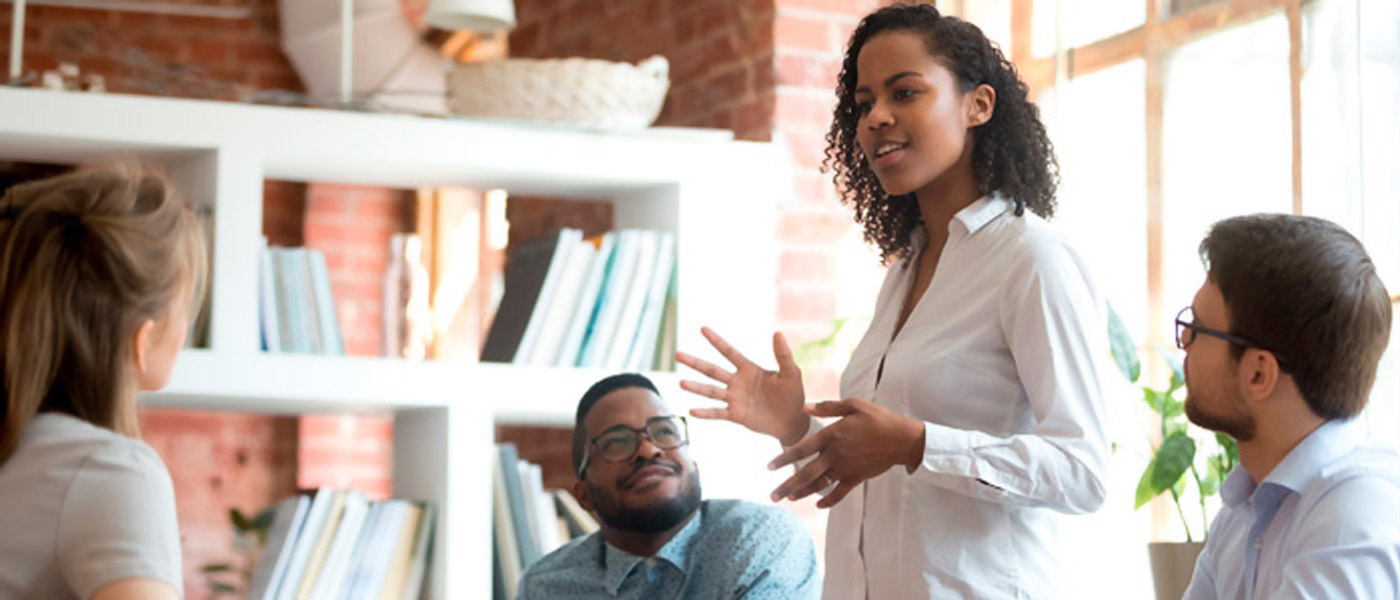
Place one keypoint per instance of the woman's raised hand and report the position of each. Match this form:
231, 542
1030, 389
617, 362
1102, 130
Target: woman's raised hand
768, 402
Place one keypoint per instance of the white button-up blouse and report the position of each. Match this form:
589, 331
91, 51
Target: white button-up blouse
1001, 359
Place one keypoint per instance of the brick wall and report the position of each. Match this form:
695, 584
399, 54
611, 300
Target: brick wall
352, 225
720, 51
164, 55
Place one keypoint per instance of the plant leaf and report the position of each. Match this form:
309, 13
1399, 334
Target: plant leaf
240, 522
1172, 460
1153, 398
1232, 450
1173, 360
219, 587
264, 519
1171, 407
1210, 484
216, 568
1144, 488
1122, 346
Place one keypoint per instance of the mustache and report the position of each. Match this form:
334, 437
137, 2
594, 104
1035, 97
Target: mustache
648, 462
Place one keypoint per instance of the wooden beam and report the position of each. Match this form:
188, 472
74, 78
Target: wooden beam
1021, 25
1169, 33
1154, 101
1295, 92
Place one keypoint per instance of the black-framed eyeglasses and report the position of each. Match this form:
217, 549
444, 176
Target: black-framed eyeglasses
619, 442
1186, 330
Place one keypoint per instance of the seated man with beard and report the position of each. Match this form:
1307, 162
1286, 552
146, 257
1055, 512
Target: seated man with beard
1282, 345
657, 539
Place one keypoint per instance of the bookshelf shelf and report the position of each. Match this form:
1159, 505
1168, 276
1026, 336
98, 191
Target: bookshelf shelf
717, 196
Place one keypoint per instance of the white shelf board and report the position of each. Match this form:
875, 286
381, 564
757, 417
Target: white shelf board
298, 383
330, 145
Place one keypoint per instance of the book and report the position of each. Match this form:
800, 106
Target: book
665, 359
586, 303
503, 530
310, 316
281, 539
579, 520
359, 564
643, 347
422, 550
561, 306
267, 300
610, 300
546, 519
525, 272
316, 561
317, 514
381, 547
564, 247
347, 535
520, 514
393, 586
328, 324
634, 300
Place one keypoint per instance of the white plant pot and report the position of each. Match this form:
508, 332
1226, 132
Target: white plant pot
1172, 565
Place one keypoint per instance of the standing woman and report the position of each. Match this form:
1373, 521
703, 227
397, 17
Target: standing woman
98, 274
973, 410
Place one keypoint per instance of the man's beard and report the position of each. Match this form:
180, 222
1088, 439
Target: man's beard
1236, 424
654, 518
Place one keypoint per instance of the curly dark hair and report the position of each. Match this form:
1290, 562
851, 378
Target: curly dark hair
1011, 153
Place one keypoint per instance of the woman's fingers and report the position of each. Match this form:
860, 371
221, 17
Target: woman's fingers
705, 368
810, 476
704, 389
842, 488
710, 413
807, 447
783, 354
732, 355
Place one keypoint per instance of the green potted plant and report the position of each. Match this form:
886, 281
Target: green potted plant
1178, 463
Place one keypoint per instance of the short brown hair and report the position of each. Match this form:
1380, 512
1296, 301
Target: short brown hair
85, 259
1304, 289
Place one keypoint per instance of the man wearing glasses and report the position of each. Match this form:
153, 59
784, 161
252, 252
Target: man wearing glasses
657, 538
1282, 343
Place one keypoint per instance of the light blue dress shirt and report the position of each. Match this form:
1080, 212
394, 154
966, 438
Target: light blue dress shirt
730, 550
1325, 523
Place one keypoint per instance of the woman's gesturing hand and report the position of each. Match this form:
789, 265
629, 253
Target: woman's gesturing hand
866, 441
768, 402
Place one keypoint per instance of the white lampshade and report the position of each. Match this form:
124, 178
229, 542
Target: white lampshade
482, 16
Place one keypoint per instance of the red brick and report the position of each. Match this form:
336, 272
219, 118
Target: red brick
208, 52
840, 7
807, 71
808, 304
803, 33
809, 266
810, 227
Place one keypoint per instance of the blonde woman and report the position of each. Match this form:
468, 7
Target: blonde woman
98, 274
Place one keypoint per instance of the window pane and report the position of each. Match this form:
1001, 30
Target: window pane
1096, 123
1227, 147
1080, 22
1351, 135
993, 17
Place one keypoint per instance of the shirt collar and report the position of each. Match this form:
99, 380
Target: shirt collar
973, 217
618, 564
985, 210
1322, 447
1304, 463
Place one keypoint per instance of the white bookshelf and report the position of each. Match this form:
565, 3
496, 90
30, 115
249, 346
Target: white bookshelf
718, 196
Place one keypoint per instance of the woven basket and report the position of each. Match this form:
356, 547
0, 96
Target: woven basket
574, 91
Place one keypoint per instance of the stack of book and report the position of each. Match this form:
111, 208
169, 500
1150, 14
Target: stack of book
295, 302
530, 521
338, 545
607, 302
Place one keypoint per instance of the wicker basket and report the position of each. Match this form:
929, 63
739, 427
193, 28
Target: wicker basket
574, 91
